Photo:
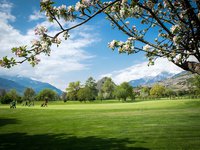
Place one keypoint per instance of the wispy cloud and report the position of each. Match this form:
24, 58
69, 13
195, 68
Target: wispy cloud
143, 70
70, 56
5, 9
36, 16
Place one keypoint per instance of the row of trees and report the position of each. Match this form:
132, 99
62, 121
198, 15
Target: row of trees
28, 97
109, 90
158, 91
89, 91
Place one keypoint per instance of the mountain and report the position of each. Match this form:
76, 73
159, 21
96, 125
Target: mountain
9, 84
20, 83
175, 82
100, 83
179, 81
150, 80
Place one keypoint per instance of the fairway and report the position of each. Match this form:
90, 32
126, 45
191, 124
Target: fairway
146, 125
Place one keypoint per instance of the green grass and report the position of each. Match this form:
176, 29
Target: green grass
161, 124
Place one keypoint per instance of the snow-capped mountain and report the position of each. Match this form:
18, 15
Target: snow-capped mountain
151, 79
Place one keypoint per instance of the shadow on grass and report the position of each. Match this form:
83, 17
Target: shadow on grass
5, 121
23, 141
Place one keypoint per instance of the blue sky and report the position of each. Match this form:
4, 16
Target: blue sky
85, 54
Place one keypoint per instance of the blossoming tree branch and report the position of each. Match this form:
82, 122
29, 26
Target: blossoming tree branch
175, 25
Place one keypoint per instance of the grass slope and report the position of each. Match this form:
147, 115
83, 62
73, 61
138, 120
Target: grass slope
163, 124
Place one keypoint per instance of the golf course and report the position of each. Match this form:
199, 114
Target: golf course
108, 125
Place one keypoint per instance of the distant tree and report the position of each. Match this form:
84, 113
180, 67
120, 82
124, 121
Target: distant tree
85, 94
6, 99
64, 96
196, 85
108, 88
92, 85
72, 90
182, 93
145, 92
123, 91
29, 95
10, 96
100, 95
14, 95
47, 94
157, 91
169, 93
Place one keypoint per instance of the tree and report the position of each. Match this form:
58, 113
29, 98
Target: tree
175, 24
64, 96
169, 93
92, 85
47, 95
85, 94
123, 91
108, 88
29, 94
196, 85
72, 90
10, 96
145, 92
157, 91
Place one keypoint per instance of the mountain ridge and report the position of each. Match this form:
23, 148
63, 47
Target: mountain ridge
20, 83
176, 82
151, 79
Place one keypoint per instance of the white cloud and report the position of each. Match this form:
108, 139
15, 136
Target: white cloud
5, 9
70, 56
36, 16
143, 70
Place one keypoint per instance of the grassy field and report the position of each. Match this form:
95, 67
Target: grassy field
161, 124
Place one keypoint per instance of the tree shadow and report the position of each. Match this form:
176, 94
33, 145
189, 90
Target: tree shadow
22, 141
6, 121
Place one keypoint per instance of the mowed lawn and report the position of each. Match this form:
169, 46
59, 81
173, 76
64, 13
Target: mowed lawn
158, 124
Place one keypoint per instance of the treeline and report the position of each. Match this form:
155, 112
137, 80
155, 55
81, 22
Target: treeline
160, 91
28, 97
109, 90
89, 91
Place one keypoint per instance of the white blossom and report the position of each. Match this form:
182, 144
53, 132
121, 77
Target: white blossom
36, 60
134, 28
126, 46
35, 42
45, 1
44, 45
86, 2
112, 44
131, 38
127, 22
175, 28
57, 40
61, 8
147, 47
124, 1
70, 9
122, 12
176, 39
18, 52
40, 30
78, 6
